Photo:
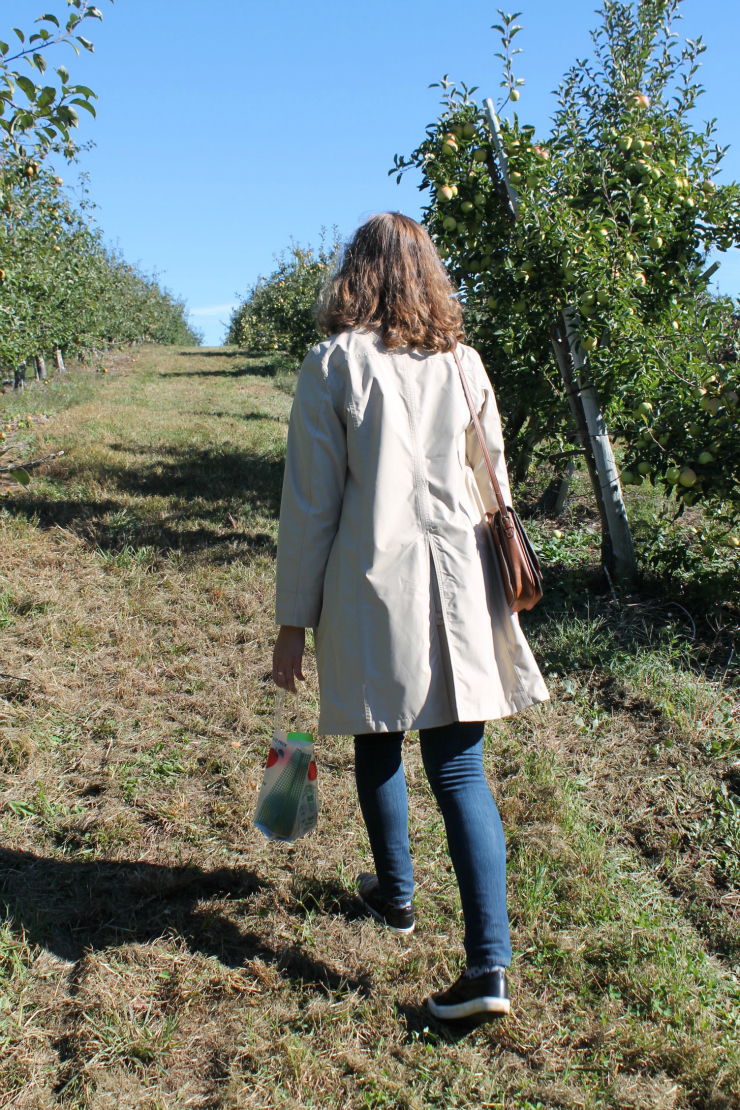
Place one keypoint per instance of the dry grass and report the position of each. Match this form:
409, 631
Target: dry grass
156, 952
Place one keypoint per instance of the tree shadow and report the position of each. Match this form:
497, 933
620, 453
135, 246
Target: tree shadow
247, 416
266, 368
207, 489
215, 352
70, 907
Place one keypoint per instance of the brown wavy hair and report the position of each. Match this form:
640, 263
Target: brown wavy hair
391, 278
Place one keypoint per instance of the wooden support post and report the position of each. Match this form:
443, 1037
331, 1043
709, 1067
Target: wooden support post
606, 468
59, 361
40, 368
501, 158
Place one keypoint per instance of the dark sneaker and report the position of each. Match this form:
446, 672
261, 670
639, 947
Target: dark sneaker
395, 919
486, 994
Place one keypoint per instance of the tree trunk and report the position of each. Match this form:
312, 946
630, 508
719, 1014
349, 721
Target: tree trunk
59, 361
608, 476
19, 376
562, 354
564, 490
40, 368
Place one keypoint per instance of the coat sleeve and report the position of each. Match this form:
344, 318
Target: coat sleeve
313, 490
491, 425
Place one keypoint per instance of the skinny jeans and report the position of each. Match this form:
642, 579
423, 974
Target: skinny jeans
453, 762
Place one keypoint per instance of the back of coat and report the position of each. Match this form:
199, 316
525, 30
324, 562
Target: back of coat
383, 547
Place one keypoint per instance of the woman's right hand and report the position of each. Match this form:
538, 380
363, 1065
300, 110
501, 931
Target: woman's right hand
287, 657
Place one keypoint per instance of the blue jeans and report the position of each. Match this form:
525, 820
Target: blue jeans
453, 761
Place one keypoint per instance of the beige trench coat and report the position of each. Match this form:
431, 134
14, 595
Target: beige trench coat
383, 547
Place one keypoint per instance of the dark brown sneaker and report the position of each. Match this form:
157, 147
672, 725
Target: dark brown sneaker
485, 994
396, 919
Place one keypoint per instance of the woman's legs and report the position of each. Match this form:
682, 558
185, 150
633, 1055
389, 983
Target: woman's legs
381, 788
453, 761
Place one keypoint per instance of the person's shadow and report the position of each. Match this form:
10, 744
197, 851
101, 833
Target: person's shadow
71, 907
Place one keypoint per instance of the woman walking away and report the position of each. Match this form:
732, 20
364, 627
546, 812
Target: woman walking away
384, 551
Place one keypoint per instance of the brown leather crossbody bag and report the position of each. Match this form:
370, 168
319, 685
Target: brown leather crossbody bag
520, 567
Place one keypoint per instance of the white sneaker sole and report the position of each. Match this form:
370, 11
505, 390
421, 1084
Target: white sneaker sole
382, 921
473, 1006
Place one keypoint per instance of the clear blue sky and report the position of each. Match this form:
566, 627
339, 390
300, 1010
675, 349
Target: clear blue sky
226, 128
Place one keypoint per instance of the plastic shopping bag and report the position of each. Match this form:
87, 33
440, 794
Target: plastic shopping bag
288, 803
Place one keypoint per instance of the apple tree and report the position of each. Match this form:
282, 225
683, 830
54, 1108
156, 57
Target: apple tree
617, 210
278, 312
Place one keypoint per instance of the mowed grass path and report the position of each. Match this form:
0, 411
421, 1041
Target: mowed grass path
156, 952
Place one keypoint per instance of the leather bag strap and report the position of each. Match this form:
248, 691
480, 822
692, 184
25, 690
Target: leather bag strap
481, 439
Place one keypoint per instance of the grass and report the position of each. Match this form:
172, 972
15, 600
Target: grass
156, 952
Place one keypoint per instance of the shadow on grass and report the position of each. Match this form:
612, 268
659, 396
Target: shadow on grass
264, 368
423, 1028
70, 908
206, 489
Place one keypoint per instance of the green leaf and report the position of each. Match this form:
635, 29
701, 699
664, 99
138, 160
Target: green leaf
86, 43
4, 48
20, 34
63, 74
85, 104
47, 97
49, 19
21, 809
40, 62
28, 87
93, 13
69, 116
21, 476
